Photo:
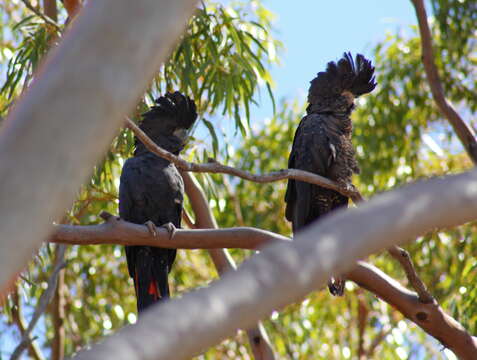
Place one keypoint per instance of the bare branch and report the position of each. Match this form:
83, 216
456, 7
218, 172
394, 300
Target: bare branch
363, 312
217, 168
57, 310
44, 17
63, 104
463, 131
117, 231
43, 302
403, 257
329, 246
429, 316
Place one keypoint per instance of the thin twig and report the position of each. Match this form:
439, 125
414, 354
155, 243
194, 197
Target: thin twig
45, 18
463, 131
363, 313
403, 257
19, 320
43, 302
216, 167
369, 354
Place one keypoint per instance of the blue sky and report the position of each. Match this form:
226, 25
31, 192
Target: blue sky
315, 32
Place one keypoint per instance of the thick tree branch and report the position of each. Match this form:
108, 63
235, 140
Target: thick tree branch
330, 246
428, 316
463, 131
63, 103
217, 168
19, 320
43, 302
257, 335
117, 231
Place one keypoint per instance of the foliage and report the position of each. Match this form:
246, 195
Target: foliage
222, 61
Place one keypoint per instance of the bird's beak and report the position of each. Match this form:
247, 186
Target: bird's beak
182, 134
349, 97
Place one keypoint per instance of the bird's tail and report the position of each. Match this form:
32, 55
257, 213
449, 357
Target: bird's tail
150, 282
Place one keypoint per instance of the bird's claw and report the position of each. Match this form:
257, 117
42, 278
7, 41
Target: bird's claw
171, 229
151, 227
336, 285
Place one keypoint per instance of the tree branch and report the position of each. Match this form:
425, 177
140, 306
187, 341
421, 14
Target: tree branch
19, 320
217, 168
50, 9
43, 302
403, 257
63, 102
117, 231
428, 316
242, 297
44, 17
57, 310
463, 131
257, 335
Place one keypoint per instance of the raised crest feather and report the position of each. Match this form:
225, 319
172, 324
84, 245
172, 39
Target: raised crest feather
355, 76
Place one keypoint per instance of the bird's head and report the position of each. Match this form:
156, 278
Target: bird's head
169, 121
335, 89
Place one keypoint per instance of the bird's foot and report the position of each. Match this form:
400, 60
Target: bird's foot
171, 229
336, 286
151, 227
347, 186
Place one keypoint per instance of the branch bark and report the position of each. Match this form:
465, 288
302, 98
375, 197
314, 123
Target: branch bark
257, 335
244, 296
117, 231
463, 131
428, 316
217, 168
58, 317
403, 257
50, 9
63, 104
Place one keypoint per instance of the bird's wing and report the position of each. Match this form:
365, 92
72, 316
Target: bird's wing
311, 151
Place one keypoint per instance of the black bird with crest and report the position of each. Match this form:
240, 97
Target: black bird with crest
322, 143
151, 192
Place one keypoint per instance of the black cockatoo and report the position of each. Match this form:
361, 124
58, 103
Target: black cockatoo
151, 192
322, 143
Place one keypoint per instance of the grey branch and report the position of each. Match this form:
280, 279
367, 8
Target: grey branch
65, 121
43, 302
330, 246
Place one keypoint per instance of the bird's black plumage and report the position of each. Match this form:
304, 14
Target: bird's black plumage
322, 143
151, 189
